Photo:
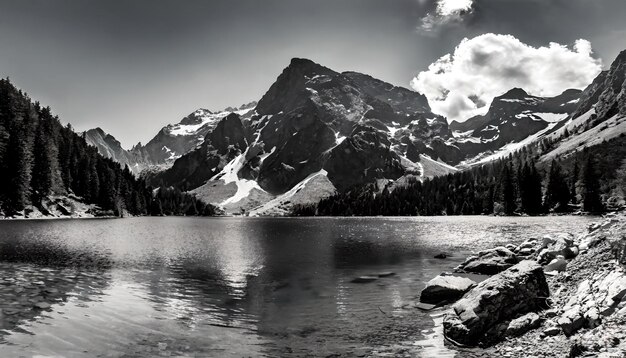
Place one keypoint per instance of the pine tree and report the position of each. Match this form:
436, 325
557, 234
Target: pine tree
557, 192
20, 157
573, 181
507, 190
41, 181
591, 188
530, 189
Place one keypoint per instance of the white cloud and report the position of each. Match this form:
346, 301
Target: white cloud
446, 12
453, 7
463, 84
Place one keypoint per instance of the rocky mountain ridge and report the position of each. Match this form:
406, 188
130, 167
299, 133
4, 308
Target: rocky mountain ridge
169, 144
314, 122
316, 126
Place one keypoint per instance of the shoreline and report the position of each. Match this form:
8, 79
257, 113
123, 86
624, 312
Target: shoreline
22, 218
570, 325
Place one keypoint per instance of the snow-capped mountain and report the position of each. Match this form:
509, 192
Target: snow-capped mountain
169, 144
317, 131
514, 119
317, 128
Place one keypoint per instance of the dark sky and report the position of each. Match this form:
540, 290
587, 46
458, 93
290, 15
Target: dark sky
132, 66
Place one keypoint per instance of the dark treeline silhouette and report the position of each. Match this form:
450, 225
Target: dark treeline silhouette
40, 157
508, 186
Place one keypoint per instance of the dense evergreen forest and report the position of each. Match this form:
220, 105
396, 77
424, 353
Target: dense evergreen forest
509, 186
40, 157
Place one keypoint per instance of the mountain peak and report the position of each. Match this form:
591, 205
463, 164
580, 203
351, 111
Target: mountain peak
304, 67
293, 79
297, 61
515, 93
96, 130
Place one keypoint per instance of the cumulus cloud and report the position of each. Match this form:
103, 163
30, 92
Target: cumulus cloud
446, 12
464, 83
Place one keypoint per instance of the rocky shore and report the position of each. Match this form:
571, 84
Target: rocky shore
552, 296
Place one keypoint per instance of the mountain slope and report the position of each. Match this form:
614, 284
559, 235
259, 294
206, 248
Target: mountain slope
342, 129
169, 144
110, 147
600, 117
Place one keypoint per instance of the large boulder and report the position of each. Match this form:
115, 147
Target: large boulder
445, 288
490, 262
494, 302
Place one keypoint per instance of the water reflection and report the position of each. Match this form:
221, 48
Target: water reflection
231, 287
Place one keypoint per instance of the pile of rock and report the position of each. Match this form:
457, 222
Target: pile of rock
551, 251
489, 262
586, 274
595, 298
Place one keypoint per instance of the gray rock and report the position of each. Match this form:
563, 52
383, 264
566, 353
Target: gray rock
552, 331
571, 320
592, 318
550, 313
528, 244
42, 305
562, 245
618, 248
490, 262
558, 264
518, 290
526, 251
425, 306
445, 287
523, 324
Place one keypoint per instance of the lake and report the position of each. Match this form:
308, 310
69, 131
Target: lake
222, 287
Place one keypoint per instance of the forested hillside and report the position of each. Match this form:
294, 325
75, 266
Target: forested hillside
39, 157
512, 185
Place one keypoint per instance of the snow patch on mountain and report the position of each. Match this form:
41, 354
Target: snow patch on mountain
229, 175
573, 124
552, 117
509, 148
313, 188
432, 168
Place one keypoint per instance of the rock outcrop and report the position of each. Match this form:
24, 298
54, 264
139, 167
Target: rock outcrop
445, 288
483, 314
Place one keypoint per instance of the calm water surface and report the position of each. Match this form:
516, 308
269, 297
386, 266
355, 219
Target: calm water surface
197, 287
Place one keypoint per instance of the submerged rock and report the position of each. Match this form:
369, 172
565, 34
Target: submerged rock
42, 305
364, 279
490, 262
497, 300
425, 306
445, 287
